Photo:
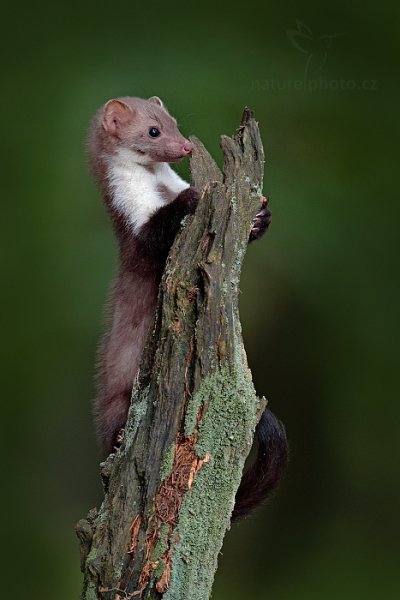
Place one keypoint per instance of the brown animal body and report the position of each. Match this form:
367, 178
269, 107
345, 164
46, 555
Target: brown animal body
131, 143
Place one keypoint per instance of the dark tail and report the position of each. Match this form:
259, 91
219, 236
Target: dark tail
263, 476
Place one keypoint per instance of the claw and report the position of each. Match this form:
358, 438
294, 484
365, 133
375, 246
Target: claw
262, 220
119, 438
262, 213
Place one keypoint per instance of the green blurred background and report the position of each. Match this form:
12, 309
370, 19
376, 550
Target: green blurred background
320, 292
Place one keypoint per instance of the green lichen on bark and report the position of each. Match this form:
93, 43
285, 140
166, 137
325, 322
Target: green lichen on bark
225, 432
169, 491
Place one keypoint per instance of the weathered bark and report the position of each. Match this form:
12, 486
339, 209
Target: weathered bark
169, 491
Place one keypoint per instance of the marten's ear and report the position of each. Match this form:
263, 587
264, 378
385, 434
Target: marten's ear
116, 114
157, 100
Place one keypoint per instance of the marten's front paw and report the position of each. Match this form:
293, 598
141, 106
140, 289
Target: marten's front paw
194, 193
261, 221
190, 196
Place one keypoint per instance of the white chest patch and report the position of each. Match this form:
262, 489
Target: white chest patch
135, 186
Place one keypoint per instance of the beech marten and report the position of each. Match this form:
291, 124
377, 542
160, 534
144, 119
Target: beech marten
131, 143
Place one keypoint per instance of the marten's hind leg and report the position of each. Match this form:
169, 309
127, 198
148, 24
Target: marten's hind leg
111, 417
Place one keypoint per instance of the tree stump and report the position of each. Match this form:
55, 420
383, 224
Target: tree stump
170, 488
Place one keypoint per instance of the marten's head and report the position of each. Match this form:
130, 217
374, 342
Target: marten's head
144, 128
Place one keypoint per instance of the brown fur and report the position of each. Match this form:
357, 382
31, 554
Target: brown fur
124, 123
130, 315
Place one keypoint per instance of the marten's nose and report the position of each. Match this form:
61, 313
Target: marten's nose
188, 147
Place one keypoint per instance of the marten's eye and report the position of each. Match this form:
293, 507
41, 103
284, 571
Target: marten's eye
154, 132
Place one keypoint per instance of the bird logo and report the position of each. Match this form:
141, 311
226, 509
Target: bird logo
315, 47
